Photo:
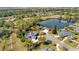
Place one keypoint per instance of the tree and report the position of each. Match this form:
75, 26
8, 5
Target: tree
54, 31
1, 23
8, 24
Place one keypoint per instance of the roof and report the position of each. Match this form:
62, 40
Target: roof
45, 31
77, 29
31, 35
65, 33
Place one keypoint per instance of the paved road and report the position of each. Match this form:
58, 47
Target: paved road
61, 43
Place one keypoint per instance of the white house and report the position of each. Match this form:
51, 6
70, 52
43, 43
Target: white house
45, 31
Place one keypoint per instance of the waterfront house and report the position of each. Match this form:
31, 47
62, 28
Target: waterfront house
65, 33
76, 28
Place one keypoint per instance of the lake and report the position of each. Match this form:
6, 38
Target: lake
51, 23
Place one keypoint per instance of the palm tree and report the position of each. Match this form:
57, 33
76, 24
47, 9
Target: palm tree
55, 30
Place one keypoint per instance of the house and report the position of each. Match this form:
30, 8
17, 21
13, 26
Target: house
65, 33
13, 19
45, 31
5, 19
32, 36
77, 20
76, 28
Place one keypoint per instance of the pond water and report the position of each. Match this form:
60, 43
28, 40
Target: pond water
51, 23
